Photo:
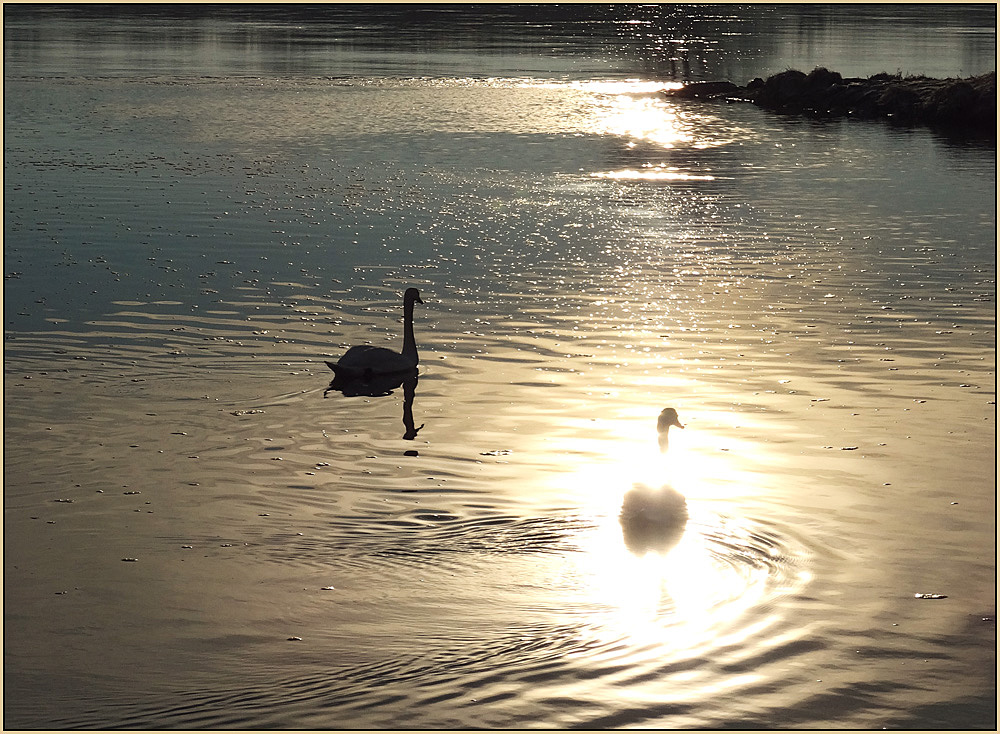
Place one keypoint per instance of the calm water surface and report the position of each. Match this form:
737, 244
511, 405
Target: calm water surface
200, 209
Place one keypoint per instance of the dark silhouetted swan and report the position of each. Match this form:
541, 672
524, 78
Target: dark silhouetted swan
654, 518
365, 363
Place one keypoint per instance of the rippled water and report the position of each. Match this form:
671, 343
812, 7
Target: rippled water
193, 226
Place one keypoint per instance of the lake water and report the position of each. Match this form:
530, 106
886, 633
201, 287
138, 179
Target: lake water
203, 206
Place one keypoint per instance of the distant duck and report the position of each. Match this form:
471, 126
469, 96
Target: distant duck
654, 518
365, 363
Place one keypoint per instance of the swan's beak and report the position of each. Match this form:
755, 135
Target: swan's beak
419, 300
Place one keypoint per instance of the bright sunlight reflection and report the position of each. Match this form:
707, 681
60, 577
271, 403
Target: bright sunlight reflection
653, 173
643, 118
682, 597
637, 111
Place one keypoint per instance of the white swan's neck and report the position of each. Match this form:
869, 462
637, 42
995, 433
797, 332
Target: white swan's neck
409, 342
664, 440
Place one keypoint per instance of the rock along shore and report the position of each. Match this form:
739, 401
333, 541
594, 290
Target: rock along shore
969, 104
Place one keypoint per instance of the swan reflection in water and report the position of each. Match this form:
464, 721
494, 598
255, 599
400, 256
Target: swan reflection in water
382, 387
653, 518
375, 372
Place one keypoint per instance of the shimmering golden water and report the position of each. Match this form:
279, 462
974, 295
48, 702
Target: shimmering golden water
815, 299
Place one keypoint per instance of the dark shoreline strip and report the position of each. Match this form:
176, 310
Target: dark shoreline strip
969, 104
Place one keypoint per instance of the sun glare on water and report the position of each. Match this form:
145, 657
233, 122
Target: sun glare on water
677, 599
653, 173
642, 118
688, 592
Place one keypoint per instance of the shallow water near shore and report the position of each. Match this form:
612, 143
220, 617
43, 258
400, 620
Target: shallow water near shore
197, 536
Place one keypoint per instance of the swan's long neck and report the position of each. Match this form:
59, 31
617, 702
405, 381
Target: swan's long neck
409, 342
664, 440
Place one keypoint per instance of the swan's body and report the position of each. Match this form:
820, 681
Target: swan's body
653, 518
365, 362
654, 506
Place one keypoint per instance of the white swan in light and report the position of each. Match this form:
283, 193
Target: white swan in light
365, 362
653, 518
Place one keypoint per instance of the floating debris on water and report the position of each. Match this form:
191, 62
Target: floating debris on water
130, 560
62, 500
497, 452
930, 596
252, 411
411, 452
327, 588
294, 639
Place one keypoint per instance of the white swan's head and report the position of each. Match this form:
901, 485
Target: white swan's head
668, 417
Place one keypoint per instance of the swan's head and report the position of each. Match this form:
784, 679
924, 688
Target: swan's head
411, 296
668, 417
